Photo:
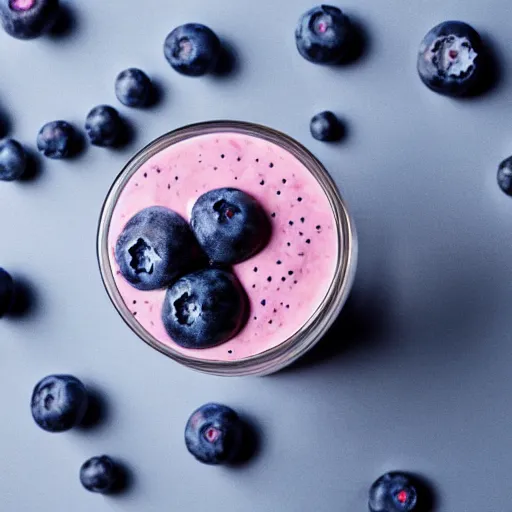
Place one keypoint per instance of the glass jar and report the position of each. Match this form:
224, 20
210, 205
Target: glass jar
311, 332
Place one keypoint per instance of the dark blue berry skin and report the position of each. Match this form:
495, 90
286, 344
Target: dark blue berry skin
324, 35
192, 49
230, 225
326, 127
57, 139
394, 492
505, 176
133, 88
6, 292
103, 126
59, 403
204, 309
13, 160
451, 59
28, 19
214, 434
98, 474
155, 248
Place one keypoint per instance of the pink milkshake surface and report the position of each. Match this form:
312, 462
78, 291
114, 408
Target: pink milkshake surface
287, 281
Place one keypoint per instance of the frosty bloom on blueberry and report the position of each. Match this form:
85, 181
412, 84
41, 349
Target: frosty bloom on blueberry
394, 492
204, 309
59, 403
13, 160
103, 126
133, 88
28, 19
451, 59
324, 35
214, 434
505, 176
155, 247
326, 127
57, 139
192, 49
98, 474
230, 225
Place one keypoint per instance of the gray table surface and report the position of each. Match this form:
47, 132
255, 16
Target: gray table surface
415, 376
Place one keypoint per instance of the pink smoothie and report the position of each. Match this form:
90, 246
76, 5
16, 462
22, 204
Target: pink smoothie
286, 281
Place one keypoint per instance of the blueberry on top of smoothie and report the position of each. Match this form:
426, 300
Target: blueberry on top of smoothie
155, 248
133, 88
103, 126
28, 19
192, 49
230, 225
394, 492
13, 160
451, 59
98, 474
6, 292
204, 309
59, 402
214, 434
57, 139
324, 35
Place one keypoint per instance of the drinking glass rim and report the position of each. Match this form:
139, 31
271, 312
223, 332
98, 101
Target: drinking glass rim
318, 323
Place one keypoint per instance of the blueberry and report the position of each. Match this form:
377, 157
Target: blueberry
451, 59
28, 19
324, 35
192, 49
326, 127
6, 292
103, 126
13, 160
155, 248
231, 226
133, 88
98, 474
394, 492
59, 403
214, 434
57, 139
505, 176
204, 309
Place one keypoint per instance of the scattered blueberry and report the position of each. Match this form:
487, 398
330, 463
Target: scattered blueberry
155, 248
324, 35
57, 139
505, 176
450, 59
214, 434
192, 49
13, 160
230, 225
393, 492
6, 292
28, 19
133, 88
98, 474
204, 309
59, 403
103, 126
326, 127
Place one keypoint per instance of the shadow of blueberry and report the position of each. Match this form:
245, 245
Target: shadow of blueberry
66, 22
33, 169
427, 498
25, 298
229, 61
251, 444
126, 135
124, 478
97, 409
5, 124
157, 94
360, 46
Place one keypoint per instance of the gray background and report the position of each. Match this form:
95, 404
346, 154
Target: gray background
416, 375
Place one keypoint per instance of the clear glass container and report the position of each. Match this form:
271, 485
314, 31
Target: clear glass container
315, 327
